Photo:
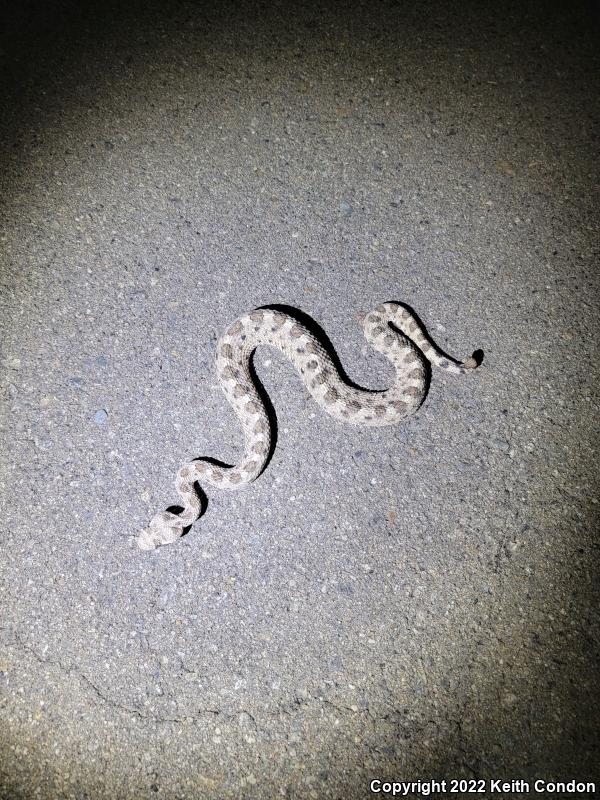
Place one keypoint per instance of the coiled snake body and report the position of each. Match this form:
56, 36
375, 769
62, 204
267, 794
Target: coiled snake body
405, 345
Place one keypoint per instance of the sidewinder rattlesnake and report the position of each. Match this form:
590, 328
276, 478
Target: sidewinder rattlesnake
390, 328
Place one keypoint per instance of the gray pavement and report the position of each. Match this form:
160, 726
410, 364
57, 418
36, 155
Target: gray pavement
408, 603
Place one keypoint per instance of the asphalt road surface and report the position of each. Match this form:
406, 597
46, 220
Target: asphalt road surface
408, 603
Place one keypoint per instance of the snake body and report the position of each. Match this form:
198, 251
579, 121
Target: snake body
390, 328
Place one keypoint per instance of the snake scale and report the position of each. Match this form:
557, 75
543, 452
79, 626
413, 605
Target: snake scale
390, 328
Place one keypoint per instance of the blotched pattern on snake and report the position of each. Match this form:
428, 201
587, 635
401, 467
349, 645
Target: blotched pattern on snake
390, 328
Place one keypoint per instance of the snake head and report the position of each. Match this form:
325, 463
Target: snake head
145, 540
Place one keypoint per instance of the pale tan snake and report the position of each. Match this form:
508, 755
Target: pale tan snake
390, 328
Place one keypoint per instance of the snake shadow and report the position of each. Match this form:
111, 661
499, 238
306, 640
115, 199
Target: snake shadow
317, 331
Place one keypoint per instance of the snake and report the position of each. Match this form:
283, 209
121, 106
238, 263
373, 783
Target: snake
390, 328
